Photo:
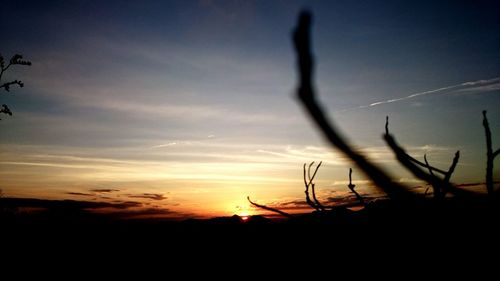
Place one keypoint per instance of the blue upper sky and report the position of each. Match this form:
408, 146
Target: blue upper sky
195, 83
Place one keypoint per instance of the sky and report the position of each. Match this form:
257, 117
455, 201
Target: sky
185, 108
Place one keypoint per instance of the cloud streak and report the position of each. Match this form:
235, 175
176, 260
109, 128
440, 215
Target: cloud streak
68, 204
152, 196
79, 194
470, 86
104, 190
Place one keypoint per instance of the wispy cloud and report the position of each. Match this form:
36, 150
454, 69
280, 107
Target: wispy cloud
118, 209
164, 81
152, 196
384, 154
104, 190
485, 88
79, 193
470, 86
302, 154
198, 142
68, 204
148, 213
169, 144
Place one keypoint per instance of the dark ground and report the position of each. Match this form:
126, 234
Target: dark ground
384, 223
406, 240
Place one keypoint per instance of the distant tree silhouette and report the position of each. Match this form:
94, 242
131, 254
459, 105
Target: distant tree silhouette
15, 60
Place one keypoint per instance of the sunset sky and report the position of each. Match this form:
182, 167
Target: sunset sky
187, 107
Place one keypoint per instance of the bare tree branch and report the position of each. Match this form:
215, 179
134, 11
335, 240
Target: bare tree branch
7, 85
426, 163
435, 188
313, 186
426, 191
307, 184
406, 161
285, 214
352, 186
301, 39
452, 167
490, 155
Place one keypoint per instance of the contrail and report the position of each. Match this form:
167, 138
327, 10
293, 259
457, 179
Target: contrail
465, 84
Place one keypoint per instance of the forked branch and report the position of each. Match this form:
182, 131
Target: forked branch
439, 190
412, 164
308, 182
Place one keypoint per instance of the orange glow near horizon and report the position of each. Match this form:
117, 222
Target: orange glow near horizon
202, 185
